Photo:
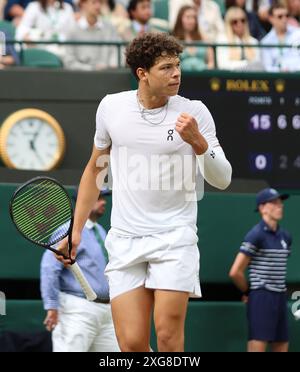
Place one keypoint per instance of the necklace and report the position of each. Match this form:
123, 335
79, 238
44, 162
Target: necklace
145, 113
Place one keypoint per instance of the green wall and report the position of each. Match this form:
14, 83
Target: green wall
223, 220
211, 326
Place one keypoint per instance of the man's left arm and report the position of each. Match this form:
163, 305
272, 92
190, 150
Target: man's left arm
212, 161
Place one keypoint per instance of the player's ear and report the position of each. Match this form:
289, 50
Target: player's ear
141, 74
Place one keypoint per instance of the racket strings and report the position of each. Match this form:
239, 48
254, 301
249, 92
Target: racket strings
28, 225
41, 210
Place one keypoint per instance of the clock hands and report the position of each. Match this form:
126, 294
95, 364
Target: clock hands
32, 147
32, 144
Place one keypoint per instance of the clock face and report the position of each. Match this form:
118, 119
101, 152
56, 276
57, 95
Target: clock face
32, 143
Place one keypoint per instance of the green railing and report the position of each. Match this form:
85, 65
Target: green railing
121, 44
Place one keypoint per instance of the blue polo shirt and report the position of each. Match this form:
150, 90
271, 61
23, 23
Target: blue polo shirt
269, 251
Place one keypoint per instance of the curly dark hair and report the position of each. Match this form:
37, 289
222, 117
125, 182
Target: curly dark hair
144, 50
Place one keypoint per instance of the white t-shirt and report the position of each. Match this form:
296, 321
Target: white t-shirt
153, 169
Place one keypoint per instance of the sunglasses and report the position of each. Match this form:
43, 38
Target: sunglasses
234, 22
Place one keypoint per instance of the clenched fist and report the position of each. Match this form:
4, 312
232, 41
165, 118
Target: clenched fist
187, 127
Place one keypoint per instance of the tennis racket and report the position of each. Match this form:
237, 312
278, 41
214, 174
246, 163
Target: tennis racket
42, 212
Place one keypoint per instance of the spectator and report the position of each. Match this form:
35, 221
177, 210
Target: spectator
140, 13
261, 9
256, 29
14, 9
237, 32
281, 59
193, 58
209, 16
46, 20
8, 55
91, 26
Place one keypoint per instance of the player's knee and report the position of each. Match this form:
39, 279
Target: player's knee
169, 339
133, 344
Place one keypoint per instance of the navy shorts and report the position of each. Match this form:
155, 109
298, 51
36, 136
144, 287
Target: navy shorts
267, 314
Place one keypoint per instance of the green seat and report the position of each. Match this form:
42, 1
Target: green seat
161, 9
40, 58
8, 28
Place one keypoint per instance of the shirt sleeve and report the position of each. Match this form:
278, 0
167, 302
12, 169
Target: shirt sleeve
213, 164
102, 138
51, 270
250, 245
206, 124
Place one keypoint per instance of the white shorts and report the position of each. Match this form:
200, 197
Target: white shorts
168, 260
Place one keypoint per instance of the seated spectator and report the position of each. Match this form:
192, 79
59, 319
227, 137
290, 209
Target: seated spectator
46, 20
281, 59
140, 13
14, 9
293, 7
193, 58
256, 29
237, 32
91, 27
8, 55
209, 16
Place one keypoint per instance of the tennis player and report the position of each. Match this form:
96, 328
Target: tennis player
155, 140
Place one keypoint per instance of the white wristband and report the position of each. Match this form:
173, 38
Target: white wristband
215, 168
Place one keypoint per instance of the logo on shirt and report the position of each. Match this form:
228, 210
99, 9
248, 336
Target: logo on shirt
170, 135
212, 154
284, 244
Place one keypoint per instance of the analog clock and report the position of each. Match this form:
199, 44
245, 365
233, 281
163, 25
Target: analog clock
31, 139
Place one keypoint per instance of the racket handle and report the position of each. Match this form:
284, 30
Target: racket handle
87, 289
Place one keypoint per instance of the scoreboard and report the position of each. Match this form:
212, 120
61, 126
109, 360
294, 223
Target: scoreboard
257, 118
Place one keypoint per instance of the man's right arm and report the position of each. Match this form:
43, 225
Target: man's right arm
90, 185
237, 272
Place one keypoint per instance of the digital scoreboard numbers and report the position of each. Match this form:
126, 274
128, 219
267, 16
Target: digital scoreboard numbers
257, 121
